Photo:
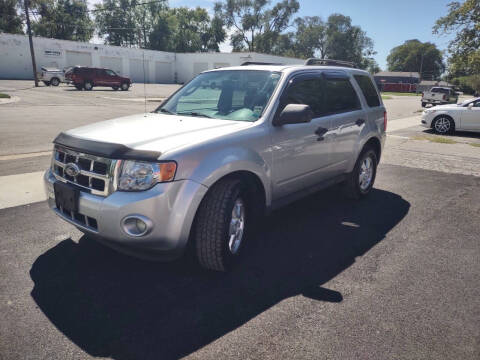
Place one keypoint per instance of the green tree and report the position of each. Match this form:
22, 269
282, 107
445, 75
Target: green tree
464, 20
256, 27
187, 30
10, 20
413, 55
128, 22
63, 19
347, 42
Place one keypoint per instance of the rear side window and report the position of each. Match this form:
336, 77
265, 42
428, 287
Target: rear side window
308, 92
368, 90
340, 96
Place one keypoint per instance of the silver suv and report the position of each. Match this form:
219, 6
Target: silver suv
226, 148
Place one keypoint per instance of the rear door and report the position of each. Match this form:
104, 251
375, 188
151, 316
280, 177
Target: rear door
347, 116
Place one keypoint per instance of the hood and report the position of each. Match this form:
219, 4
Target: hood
157, 132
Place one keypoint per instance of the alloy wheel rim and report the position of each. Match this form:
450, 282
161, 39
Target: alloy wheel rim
442, 125
237, 226
88, 86
366, 173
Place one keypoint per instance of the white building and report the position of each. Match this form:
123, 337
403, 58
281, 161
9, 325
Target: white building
160, 66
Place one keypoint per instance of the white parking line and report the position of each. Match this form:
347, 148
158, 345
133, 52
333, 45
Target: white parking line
24, 156
21, 189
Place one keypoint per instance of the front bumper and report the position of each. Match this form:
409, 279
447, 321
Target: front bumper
170, 206
426, 120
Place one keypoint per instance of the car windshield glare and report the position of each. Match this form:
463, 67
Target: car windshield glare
239, 95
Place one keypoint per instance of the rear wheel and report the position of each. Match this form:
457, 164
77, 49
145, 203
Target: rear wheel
443, 125
47, 83
78, 87
55, 81
88, 85
360, 181
221, 225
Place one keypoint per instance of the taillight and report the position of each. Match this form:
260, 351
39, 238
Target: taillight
385, 121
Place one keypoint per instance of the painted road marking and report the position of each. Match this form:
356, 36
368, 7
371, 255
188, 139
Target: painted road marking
25, 156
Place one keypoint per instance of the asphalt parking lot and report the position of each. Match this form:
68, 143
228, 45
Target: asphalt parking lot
396, 276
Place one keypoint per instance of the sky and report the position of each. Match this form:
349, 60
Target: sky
388, 22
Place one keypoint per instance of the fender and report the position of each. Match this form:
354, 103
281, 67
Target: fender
231, 159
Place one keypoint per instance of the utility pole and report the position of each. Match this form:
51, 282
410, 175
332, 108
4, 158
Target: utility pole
421, 68
32, 52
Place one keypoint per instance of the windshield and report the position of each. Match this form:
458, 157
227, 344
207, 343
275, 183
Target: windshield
466, 102
239, 95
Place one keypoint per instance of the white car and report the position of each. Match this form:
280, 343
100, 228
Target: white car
445, 119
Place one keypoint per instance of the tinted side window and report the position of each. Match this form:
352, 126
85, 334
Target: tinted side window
308, 92
368, 90
340, 96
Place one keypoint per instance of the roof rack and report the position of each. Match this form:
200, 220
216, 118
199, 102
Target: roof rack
329, 62
246, 63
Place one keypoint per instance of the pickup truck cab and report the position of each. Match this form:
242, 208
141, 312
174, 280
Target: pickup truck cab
226, 148
439, 96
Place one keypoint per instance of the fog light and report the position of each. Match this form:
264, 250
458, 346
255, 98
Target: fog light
137, 225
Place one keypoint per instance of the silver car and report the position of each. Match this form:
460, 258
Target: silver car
226, 148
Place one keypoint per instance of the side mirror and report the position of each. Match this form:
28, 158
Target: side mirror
470, 106
294, 114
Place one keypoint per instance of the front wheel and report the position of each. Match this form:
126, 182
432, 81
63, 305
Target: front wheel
443, 125
424, 104
360, 180
125, 86
78, 87
115, 88
221, 225
55, 81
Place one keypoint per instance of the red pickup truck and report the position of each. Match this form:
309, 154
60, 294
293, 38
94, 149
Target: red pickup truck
87, 77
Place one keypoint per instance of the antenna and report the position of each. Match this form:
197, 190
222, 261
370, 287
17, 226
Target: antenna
144, 85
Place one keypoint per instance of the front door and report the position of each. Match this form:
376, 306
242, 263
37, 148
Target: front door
301, 152
471, 117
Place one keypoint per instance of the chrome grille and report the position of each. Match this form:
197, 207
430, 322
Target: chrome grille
95, 174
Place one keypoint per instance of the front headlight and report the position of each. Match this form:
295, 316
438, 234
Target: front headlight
140, 175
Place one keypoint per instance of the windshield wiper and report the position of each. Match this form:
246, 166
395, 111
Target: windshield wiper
163, 110
194, 113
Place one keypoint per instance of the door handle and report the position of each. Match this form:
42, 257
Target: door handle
320, 132
360, 122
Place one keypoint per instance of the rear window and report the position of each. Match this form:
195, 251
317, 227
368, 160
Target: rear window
340, 96
368, 90
440, 90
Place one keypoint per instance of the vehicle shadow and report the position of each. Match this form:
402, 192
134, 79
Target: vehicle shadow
111, 305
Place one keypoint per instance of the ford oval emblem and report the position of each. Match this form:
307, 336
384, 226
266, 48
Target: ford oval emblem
72, 169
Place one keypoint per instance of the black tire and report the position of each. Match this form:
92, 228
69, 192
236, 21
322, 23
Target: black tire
55, 81
47, 83
424, 104
213, 222
88, 85
115, 88
443, 125
78, 87
125, 86
352, 187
